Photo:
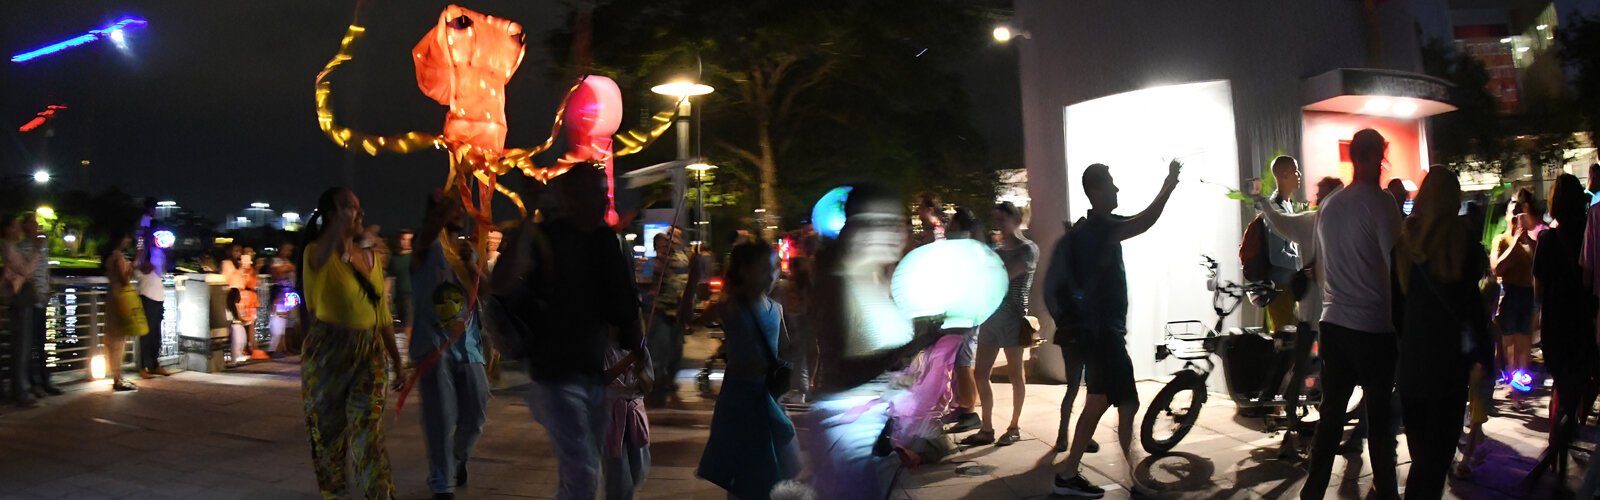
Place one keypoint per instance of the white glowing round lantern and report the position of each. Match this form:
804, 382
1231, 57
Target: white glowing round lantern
961, 280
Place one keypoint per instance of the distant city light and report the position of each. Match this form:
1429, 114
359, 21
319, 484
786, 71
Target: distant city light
260, 205
114, 31
242, 219
1505, 40
41, 177
1542, 27
291, 216
69, 238
167, 203
700, 167
1523, 49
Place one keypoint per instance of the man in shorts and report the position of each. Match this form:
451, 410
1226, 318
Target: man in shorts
1101, 327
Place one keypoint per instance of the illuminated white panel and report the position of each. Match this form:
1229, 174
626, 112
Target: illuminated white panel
1136, 134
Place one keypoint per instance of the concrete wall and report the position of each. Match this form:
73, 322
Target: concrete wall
1085, 49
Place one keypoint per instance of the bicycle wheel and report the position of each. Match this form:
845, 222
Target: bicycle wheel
1173, 412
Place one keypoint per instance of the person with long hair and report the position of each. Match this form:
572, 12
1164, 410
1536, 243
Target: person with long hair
125, 317
1512, 259
343, 380
1567, 312
1008, 329
752, 445
1439, 262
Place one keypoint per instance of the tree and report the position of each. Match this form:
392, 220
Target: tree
810, 94
1580, 51
1471, 138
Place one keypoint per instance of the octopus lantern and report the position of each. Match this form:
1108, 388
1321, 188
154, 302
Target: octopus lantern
464, 63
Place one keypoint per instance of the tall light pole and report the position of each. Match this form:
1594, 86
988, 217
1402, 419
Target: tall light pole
683, 90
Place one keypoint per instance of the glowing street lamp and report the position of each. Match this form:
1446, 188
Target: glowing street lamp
41, 176
1004, 33
114, 31
682, 90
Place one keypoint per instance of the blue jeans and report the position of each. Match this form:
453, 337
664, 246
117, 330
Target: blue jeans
454, 396
573, 413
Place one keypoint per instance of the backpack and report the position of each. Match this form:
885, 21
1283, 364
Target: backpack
1066, 294
1253, 251
511, 314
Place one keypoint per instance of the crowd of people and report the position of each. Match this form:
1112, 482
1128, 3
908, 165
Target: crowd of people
1412, 307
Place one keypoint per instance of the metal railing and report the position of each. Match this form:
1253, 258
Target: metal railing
75, 320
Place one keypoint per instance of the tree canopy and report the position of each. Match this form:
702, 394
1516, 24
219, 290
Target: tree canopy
809, 95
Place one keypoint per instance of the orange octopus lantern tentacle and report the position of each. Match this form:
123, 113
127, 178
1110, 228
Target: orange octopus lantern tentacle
350, 139
634, 141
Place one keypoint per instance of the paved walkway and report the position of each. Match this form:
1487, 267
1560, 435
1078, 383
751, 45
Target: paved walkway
241, 435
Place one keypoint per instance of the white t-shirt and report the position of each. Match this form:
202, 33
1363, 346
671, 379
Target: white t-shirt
1357, 228
150, 285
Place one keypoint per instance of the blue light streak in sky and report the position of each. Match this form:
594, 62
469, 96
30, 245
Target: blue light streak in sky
91, 36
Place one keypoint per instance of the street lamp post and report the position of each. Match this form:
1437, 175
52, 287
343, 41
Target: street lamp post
683, 91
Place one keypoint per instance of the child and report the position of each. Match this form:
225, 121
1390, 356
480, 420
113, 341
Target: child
627, 447
752, 446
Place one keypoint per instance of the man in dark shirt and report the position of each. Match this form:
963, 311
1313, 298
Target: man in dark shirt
1103, 326
589, 294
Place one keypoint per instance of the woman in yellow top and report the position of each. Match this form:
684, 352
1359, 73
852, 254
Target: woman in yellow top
343, 379
125, 316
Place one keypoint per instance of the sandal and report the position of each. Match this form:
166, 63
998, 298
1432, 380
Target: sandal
979, 438
1011, 437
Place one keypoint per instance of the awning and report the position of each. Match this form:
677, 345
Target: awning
1376, 92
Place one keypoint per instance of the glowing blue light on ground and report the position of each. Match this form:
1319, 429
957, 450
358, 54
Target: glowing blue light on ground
114, 31
961, 280
1522, 381
828, 216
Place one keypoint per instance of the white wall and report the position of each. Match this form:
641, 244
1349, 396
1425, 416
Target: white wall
1082, 50
1136, 134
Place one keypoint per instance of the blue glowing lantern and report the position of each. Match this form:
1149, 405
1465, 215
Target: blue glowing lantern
961, 280
828, 216
164, 238
1522, 381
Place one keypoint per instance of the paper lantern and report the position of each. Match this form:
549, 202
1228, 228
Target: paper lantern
828, 216
165, 238
961, 280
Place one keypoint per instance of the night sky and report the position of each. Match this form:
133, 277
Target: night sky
212, 105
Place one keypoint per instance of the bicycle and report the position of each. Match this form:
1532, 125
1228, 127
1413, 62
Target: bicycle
1176, 408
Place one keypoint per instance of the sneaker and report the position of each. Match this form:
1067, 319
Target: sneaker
124, 386
1063, 447
978, 439
1076, 486
965, 422
1011, 437
1352, 447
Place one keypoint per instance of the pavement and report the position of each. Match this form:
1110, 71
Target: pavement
241, 434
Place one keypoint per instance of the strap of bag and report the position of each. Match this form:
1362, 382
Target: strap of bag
772, 357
